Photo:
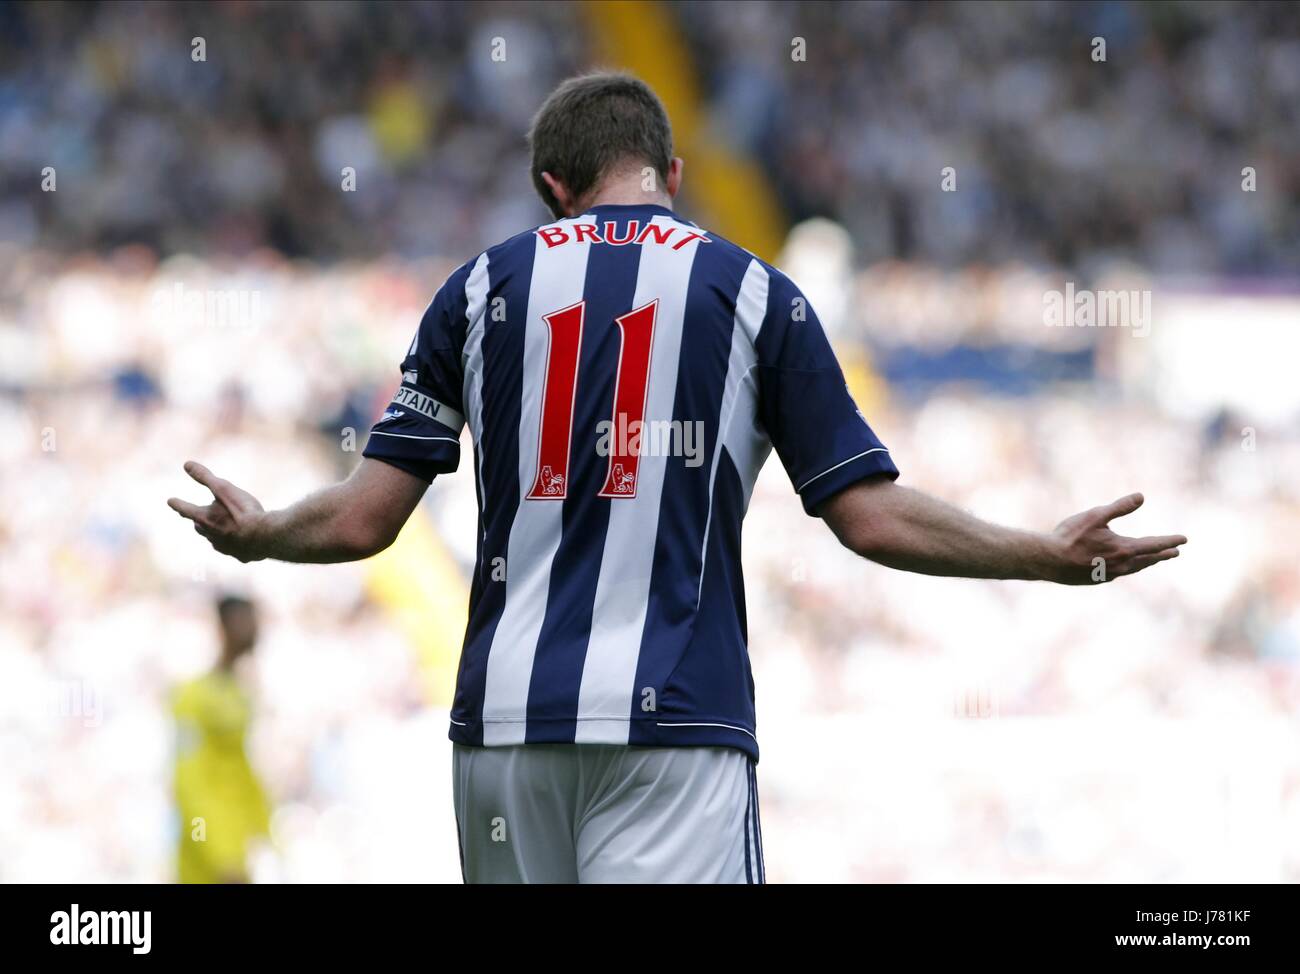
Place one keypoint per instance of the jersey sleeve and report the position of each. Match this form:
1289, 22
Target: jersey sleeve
419, 432
819, 433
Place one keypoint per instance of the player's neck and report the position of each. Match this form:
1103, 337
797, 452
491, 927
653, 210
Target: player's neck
628, 192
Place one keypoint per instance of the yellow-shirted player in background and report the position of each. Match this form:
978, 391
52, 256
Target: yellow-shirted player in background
221, 803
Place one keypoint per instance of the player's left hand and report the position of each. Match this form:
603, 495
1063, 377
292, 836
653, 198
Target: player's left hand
1088, 552
230, 522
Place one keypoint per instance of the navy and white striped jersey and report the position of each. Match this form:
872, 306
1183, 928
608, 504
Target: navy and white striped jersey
624, 375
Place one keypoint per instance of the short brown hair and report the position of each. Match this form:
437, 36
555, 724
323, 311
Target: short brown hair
592, 123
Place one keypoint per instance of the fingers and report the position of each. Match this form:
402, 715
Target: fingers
1155, 543
220, 488
1136, 565
1140, 553
1125, 505
185, 509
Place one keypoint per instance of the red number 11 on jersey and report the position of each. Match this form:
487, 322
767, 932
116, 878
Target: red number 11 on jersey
559, 394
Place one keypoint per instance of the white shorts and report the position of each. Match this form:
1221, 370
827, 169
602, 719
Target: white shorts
602, 813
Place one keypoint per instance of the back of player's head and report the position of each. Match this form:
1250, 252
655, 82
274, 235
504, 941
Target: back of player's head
591, 125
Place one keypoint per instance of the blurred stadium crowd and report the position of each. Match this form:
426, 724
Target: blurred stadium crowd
1059, 159
246, 149
218, 183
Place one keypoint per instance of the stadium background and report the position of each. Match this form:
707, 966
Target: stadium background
198, 284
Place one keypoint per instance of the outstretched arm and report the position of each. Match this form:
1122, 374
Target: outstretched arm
344, 522
904, 528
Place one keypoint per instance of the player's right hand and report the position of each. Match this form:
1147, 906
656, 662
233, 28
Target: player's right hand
230, 522
1088, 552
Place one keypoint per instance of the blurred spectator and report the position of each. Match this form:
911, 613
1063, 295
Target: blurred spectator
222, 806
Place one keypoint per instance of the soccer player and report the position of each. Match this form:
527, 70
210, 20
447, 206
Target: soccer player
221, 803
624, 374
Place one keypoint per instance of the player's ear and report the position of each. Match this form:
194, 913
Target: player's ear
675, 167
563, 198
